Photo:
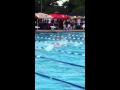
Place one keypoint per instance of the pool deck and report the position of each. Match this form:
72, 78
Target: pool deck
40, 31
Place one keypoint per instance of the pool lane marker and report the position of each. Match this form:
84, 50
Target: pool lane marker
48, 77
60, 36
51, 38
60, 61
74, 46
65, 38
63, 45
65, 52
69, 52
67, 41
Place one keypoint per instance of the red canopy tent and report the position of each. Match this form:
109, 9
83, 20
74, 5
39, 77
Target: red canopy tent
36, 16
43, 16
57, 15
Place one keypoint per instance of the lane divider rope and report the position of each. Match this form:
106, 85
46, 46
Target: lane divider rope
60, 61
61, 36
67, 41
62, 81
65, 52
48, 38
65, 45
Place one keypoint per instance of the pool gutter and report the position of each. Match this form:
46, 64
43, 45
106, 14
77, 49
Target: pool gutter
39, 31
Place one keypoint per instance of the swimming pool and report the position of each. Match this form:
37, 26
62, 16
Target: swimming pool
63, 67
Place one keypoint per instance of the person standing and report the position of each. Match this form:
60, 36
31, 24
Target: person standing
83, 26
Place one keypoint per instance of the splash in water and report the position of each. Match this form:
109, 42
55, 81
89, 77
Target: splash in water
46, 43
63, 42
49, 47
76, 44
81, 42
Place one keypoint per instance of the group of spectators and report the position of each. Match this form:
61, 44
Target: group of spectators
68, 24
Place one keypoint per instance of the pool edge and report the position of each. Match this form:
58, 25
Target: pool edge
39, 31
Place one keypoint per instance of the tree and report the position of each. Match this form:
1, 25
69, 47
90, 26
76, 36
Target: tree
75, 6
54, 9
50, 6
45, 4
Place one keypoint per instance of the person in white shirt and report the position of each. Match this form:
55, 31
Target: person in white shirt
83, 26
69, 25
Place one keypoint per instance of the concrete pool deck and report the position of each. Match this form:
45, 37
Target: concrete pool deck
40, 31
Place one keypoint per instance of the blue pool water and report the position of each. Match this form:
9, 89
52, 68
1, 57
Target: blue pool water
62, 67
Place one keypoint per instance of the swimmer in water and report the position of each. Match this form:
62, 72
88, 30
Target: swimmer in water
37, 48
57, 45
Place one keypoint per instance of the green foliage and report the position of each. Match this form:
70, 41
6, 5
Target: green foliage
76, 6
50, 6
80, 9
45, 5
57, 8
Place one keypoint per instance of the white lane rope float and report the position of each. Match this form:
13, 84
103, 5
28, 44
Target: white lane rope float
51, 38
82, 36
62, 81
62, 51
36, 56
63, 36
66, 45
67, 41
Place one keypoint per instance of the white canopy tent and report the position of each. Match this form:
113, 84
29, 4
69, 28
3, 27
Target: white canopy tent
42, 16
